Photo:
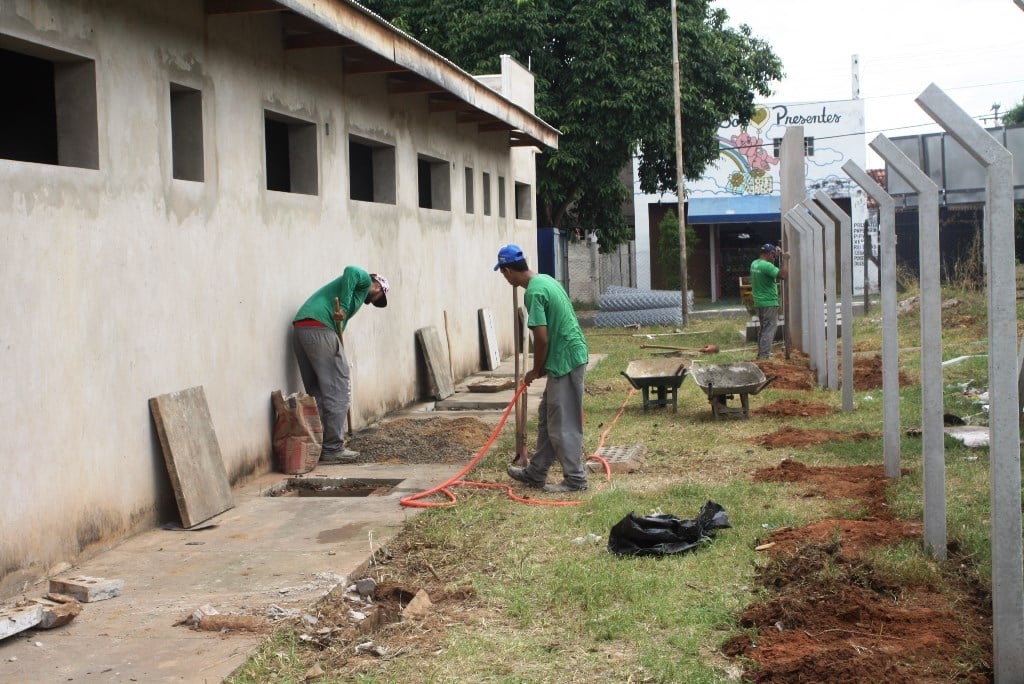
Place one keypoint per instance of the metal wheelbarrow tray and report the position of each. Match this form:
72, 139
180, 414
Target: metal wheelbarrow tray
723, 381
663, 375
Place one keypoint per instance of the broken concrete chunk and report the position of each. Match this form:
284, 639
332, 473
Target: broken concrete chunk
58, 613
14, 620
88, 589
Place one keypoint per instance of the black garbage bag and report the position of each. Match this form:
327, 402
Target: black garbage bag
663, 535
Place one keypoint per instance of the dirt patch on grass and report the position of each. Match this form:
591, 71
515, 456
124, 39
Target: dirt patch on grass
867, 374
786, 408
789, 375
832, 615
787, 436
422, 440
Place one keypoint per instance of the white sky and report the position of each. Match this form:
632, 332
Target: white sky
972, 49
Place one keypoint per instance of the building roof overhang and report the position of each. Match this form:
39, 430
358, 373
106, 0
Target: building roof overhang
370, 45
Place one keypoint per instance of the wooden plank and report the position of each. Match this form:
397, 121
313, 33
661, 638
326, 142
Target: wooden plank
192, 455
438, 374
492, 356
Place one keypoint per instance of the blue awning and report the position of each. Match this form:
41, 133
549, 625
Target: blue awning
734, 209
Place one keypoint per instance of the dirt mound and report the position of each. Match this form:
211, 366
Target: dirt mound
422, 440
788, 375
787, 436
867, 374
785, 408
833, 616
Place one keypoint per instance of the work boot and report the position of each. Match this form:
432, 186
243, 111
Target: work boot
343, 456
564, 487
519, 475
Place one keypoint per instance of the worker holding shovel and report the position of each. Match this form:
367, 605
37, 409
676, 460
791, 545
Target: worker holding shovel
560, 355
320, 352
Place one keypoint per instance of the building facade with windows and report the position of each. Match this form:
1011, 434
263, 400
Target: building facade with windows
176, 178
734, 206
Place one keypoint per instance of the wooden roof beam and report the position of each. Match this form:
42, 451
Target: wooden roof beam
356, 67
241, 6
320, 39
399, 86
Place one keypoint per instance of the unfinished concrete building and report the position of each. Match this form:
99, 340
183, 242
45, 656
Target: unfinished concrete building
175, 179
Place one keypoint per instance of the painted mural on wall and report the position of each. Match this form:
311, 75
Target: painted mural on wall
748, 162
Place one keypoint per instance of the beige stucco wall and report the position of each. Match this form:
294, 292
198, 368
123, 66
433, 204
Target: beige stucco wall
122, 283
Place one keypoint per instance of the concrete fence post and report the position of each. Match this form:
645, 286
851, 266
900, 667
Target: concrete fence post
891, 432
933, 449
846, 282
1004, 418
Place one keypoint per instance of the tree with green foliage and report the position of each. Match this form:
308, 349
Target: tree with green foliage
668, 247
603, 71
1015, 115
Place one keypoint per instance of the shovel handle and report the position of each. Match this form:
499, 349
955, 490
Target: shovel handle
341, 340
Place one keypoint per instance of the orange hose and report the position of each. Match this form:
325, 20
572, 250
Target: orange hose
413, 500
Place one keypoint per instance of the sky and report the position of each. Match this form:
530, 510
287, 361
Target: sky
972, 49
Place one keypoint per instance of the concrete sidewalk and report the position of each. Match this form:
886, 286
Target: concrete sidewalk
267, 551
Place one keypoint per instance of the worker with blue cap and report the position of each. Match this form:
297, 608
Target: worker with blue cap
559, 354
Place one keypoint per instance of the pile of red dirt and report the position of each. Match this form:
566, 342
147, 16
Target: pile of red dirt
867, 374
787, 436
794, 408
789, 375
833, 616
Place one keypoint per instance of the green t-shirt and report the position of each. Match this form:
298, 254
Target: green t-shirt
547, 304
350, 289
764, 278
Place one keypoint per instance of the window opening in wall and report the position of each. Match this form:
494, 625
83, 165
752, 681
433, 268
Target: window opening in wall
501, 196
777, 147
186, 133
291, 153
54, 121
371, 170
524, 201
469, 190
487, 193
434, 181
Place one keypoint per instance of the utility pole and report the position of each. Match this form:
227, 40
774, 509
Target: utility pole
680, 181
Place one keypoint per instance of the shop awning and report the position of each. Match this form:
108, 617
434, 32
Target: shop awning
734, 209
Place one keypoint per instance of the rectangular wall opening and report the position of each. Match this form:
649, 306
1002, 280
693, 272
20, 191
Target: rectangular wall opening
371, 170
501, 196
434, 183
487, 193
186, 133
54, 120
469, 190
290, 154
524, 201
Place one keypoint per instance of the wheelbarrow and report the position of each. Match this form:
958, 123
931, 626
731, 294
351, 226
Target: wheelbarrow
724, 381
664, 376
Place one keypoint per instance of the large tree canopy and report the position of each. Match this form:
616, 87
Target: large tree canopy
603, 72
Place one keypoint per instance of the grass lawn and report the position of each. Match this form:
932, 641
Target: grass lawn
527, 593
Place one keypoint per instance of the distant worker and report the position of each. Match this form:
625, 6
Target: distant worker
560, 354
316, 339
764, 286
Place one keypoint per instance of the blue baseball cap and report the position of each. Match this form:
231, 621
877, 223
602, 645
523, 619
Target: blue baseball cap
509, 254
767, 247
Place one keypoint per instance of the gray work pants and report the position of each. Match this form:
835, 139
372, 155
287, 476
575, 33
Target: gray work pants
325, 374
768, 318
560, 429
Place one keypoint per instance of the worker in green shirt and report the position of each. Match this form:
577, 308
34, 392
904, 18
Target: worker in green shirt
324, 368
559, 354
764, 286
